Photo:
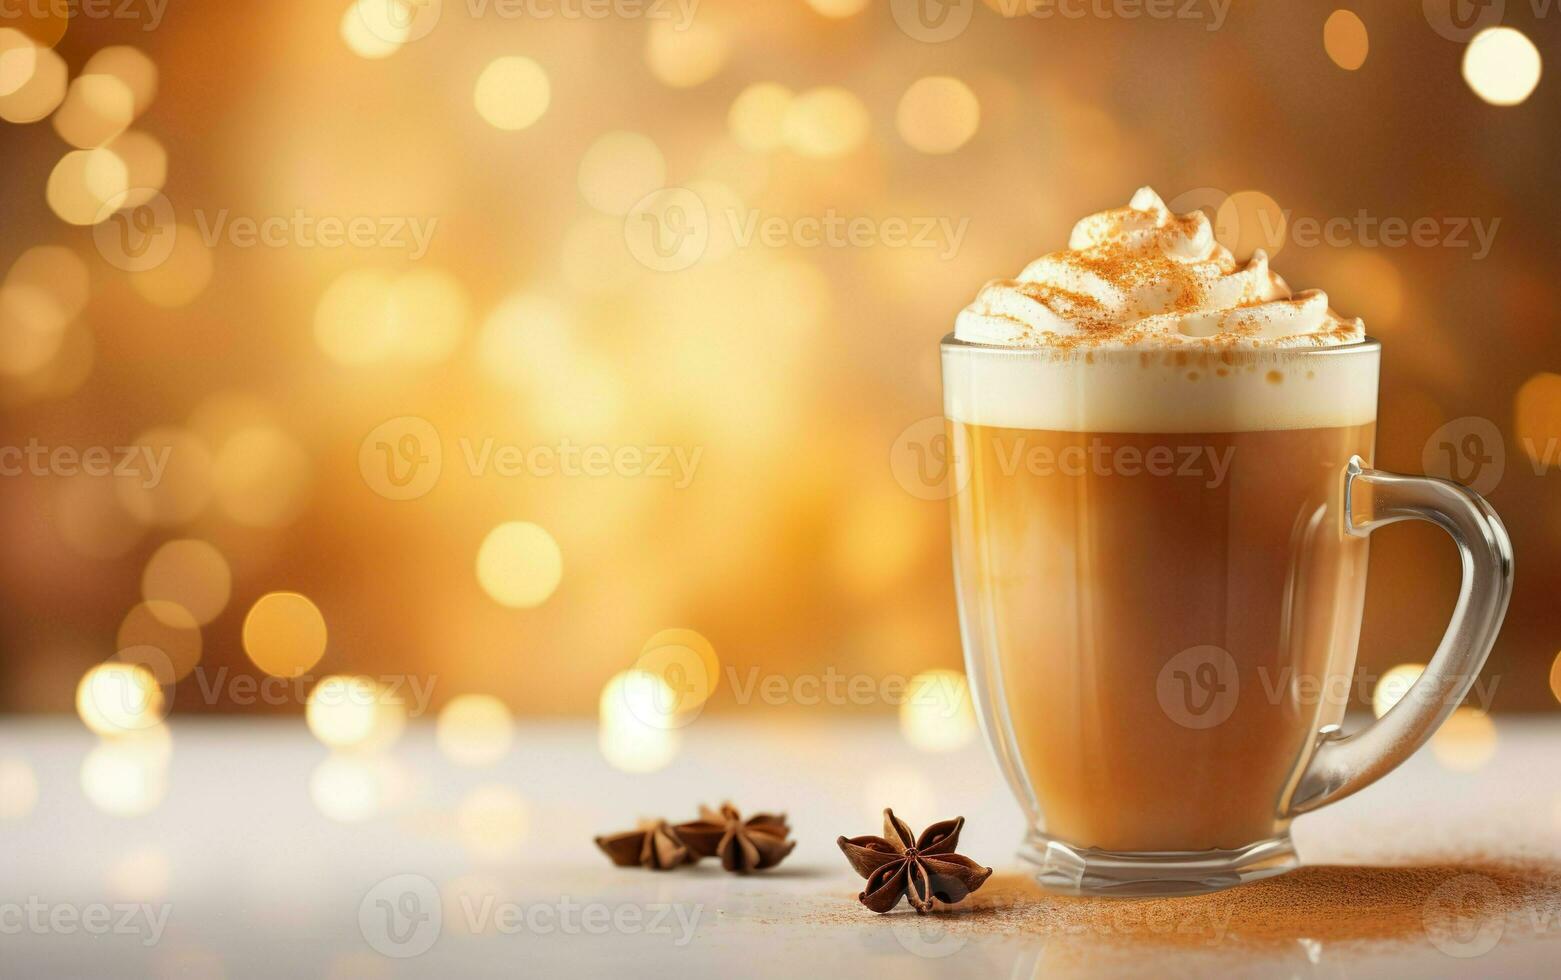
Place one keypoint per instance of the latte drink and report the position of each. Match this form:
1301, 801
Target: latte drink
1159, 599
1173, 609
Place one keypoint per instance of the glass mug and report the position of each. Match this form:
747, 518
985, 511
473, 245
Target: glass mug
1160, 561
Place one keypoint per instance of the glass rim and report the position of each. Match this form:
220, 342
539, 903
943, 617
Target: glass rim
1368, 344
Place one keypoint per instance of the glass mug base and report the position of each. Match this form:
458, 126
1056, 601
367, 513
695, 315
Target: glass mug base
1065, 869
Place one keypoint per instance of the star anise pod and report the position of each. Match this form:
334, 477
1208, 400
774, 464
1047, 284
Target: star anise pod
742, 845
654, 845
924, 868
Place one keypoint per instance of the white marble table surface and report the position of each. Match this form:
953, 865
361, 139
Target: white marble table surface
237, 872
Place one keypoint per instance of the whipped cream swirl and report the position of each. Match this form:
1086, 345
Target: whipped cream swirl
1142, 278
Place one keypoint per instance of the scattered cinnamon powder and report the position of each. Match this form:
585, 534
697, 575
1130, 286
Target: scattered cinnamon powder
1321, 903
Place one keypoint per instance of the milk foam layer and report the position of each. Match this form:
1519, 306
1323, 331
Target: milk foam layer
1141, 278
1145, 324
1160, 391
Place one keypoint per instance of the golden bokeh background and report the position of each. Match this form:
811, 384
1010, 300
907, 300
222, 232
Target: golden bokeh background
448, 380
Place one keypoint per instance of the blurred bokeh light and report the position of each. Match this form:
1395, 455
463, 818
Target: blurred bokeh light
937, 714
1502, 66
1346, 39
519, 564
352, 788
1392, 686
190, 574
938, 114
115, 699
284, 634
512, 92
18, 788
1466, 741
475, 730
634, 729
491, 821
354, 713
124, 779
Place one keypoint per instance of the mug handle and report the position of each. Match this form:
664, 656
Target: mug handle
1342, 764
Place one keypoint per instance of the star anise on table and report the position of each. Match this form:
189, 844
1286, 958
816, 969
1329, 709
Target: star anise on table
901, 865
654, 845
742, 845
